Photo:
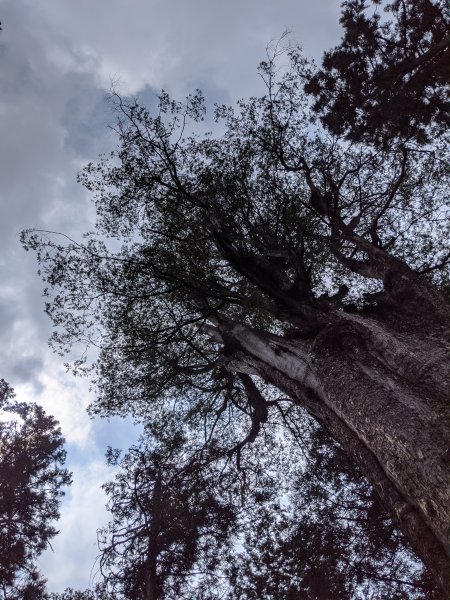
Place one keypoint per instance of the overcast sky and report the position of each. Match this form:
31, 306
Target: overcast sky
57, 61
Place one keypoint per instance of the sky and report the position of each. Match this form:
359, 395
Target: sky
58, 60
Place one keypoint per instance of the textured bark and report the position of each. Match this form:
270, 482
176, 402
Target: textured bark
383, 394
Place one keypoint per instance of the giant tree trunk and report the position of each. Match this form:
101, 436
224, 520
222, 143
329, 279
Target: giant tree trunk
382, 392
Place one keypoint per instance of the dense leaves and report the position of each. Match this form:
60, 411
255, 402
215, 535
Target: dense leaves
32, 476
219, 265
388, 78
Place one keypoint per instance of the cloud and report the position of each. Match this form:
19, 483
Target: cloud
174, 46
43, 102
63, 397
71, 560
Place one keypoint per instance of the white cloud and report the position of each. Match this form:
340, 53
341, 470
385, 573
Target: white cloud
72, 560
63, 397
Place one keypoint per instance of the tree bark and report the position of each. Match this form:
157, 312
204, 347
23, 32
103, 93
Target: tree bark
383, 395
151, 584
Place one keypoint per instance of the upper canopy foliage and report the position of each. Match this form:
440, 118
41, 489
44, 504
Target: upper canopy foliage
276, 224
269, 225
388, 77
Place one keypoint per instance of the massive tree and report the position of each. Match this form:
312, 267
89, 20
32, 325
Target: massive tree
32, 476
274, 254
298, 521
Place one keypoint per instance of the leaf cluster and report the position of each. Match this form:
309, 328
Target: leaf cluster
388, 78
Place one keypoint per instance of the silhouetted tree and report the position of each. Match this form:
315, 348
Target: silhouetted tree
168, 523
388, 78
32, 476
330, 539
273, 254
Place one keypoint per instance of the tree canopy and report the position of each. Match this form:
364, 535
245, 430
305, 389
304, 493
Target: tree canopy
32, 477
272, 225
388, 78
276, 264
